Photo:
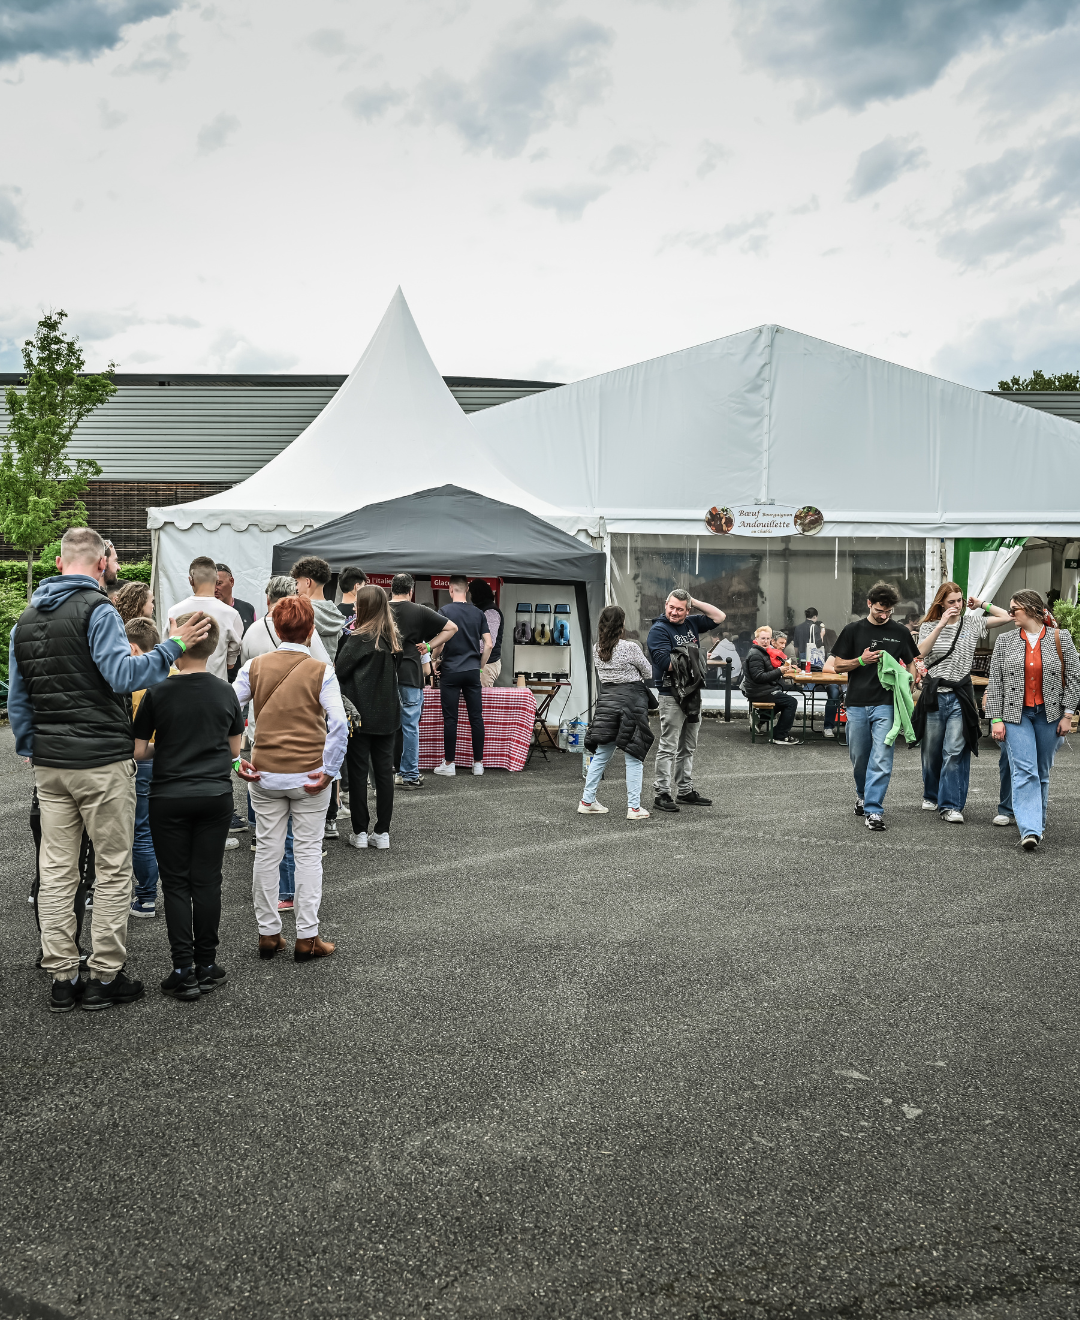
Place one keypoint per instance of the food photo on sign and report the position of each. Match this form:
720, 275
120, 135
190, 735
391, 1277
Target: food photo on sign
757, 519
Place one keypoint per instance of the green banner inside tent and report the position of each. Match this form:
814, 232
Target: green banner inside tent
965, 547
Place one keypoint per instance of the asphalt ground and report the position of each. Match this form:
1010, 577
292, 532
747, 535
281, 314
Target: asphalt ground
750, 1061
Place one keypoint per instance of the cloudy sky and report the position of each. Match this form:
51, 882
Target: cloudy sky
560, 186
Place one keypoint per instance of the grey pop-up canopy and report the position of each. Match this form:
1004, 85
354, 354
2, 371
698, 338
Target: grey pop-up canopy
451, 530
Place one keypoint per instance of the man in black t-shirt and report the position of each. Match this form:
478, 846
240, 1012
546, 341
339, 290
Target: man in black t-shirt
462, 658
350, 581
420, 629
191, 725
857, 652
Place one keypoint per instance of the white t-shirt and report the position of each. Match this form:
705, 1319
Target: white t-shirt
231, 628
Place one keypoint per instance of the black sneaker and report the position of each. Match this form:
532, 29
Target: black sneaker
238, 825
1029, 842
875, 822
663, 802
181, 985
412, 783
64, 996
860, 807
209, 977
788, 742
119, 991
693, 799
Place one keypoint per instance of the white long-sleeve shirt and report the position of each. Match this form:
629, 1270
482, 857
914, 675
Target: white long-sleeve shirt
337, 732
230, 630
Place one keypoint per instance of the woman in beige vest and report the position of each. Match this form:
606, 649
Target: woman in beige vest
300, 739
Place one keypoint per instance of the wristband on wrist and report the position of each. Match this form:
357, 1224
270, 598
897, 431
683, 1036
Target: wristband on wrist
997, 721
862, 662
988, 606
236, 765
180, 644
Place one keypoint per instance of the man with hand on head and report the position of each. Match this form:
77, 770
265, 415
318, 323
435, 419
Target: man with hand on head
678, 735
70, 669
203, 576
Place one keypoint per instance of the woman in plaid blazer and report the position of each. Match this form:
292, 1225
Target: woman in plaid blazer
1034, 689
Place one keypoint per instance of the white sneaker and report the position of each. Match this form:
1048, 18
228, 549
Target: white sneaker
232, 842
478, 767
927, 805
830, 733
591, 809
1001, 819
636, 813
953, 817
443, 769
379, 840
357, 840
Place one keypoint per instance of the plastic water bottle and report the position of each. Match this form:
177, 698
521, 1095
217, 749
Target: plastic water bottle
575, 735
564, 736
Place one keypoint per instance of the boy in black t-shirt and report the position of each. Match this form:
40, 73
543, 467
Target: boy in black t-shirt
196, 723
857, 652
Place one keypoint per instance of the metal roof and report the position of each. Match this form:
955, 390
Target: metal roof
1061, 403
223, 428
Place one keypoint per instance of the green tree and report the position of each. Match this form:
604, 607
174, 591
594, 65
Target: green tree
39, 483
1065, 381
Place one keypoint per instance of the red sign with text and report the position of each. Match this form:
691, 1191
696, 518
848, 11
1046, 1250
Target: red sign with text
439, 581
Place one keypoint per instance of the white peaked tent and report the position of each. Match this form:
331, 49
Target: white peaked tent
391, 429
771, 414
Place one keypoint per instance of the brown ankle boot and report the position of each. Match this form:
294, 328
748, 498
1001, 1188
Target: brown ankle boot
315, 947
271, 944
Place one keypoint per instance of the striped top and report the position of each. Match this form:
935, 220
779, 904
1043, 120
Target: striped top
958, 665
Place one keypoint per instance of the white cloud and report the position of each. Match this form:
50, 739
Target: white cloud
853, 52
71, 29
369, 103
13, 227
712, 154
537, 74
626, 158
883, 164
1043, 332
215, 135
753, 231
159, 58
232, 352
109, 118
569, 202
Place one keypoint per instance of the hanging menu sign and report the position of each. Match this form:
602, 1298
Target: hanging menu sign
756, 519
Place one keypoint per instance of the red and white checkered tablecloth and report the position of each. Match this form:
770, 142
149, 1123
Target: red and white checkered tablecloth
509, 718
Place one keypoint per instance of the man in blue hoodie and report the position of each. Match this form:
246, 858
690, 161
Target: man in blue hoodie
678, 736
69, 666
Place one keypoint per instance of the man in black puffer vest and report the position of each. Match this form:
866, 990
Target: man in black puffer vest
70, 667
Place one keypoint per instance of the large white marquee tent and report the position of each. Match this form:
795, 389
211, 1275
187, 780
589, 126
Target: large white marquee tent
900, 463
393, 428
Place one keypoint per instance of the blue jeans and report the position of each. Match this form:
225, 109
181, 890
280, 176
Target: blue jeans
143, 857
287, 866
598, 765
832, 705
946, 761
411, 701
871, 759
1032, 745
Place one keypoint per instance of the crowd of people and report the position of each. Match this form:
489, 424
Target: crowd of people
134, 739
913, 678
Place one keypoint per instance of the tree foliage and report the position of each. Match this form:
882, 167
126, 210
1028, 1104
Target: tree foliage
1065, 381
39, 483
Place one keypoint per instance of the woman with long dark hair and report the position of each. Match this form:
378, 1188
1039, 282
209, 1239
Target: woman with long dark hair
1033, 692
366, 666
621, 718
948, 637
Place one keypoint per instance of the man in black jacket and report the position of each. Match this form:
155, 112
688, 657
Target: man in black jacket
763, 681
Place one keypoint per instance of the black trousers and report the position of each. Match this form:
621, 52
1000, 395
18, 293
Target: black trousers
784, 716
374, 751
189, 839
452, 687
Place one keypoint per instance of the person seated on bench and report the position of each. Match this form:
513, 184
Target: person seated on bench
764, 681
